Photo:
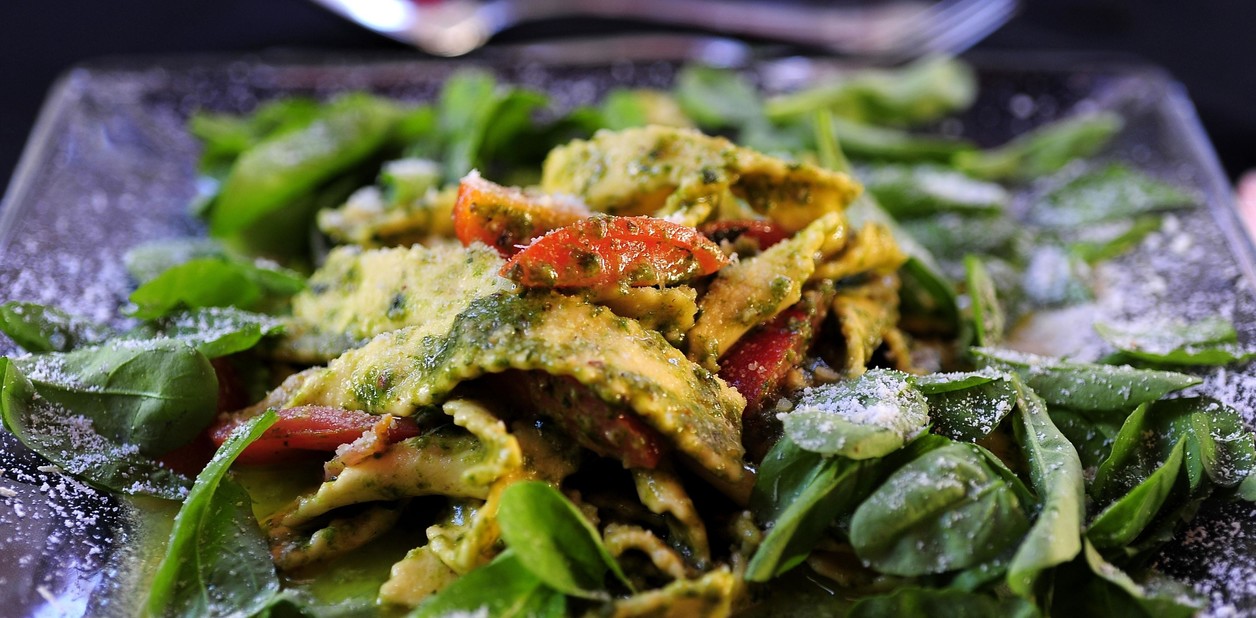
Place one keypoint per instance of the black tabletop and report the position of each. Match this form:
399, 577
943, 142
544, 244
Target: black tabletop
1207, 44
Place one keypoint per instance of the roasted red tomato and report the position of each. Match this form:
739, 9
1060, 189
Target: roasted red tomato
310, 428
606, 251
506, 218
759, 362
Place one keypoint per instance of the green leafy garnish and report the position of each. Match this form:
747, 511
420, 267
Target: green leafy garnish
37, 328
871, 416
213, 282
217, 561
504, 587
153, 395
1055, 474
69, 440
944, 511
1044, 150
1086, 386
1115, 192
1209, 341
554, 541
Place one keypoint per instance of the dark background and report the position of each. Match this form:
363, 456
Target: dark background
1209, 45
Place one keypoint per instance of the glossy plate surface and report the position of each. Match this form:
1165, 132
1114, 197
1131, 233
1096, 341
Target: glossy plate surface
110, 165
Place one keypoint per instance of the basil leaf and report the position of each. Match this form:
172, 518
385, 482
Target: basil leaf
271, 175
942, 512
1044, 150
1218, 444
797, 495
153, 395
864, 141
924, 90
213, 331
870, 416
1085, 386
717, 98
225, 137
503, 587
1210, 341
146, 261
213, 282
912, 602
1091, 433
907, 191
480, 121
217, 561
967, 406
1122, 521
554, 541
1115, 192
1095, 587
37, 328
1055, 472
989, 321
72, 443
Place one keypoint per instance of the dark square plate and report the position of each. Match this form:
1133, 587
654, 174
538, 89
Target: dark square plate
110, 165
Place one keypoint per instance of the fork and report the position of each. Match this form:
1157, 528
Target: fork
888, 31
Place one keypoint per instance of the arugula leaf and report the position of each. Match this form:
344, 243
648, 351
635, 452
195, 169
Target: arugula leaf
1055, 472
503, 587
217, 561
37, 328
989, 320
913, 602
554, 541
1085, 386
907, 191
154, 395
213, 331
270, 176
72, 443
797, 494
717, 98
213, 282
967, 406
1209, 341
1114, 192
1044, 150
870, 416
944, 511
924, 90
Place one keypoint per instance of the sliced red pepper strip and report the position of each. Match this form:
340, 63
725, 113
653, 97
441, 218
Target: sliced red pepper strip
765, 233
506, 218
759, 362
607, 251
310, 428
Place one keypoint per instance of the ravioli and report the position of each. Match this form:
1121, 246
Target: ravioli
358, 294
681, 171
619, 360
